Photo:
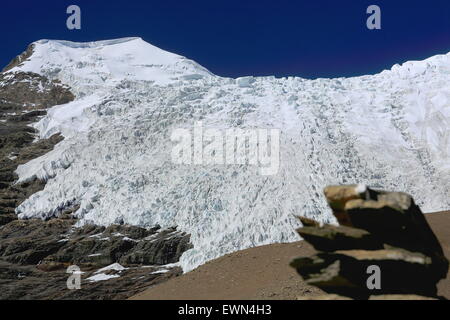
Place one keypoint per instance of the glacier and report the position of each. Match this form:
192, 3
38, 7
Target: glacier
389, 130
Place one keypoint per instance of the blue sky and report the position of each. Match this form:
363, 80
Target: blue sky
311, 39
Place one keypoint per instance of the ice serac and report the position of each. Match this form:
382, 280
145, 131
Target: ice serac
389, 131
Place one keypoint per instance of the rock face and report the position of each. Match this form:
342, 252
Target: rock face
383, 234
24, 98
20, 58
35, 254
24, 91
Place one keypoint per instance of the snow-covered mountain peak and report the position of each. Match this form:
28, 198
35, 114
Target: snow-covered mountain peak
92, 44
91, 66
389, 131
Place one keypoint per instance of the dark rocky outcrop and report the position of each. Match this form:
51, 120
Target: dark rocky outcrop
23, 100
20, 58
35, 254
26, 91
11, 193
377, 228
30, 283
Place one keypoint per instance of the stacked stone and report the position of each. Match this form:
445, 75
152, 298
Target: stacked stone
382, 246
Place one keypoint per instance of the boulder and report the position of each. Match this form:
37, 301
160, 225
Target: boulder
381, 232
346, 272
332, 238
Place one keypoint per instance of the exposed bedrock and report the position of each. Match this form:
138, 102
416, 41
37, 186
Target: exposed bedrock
23, 100
20, 58
36, 253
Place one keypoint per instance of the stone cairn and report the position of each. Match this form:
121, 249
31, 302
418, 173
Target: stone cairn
383, 248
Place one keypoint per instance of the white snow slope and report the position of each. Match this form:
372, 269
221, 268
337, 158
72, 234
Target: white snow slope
389, 130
